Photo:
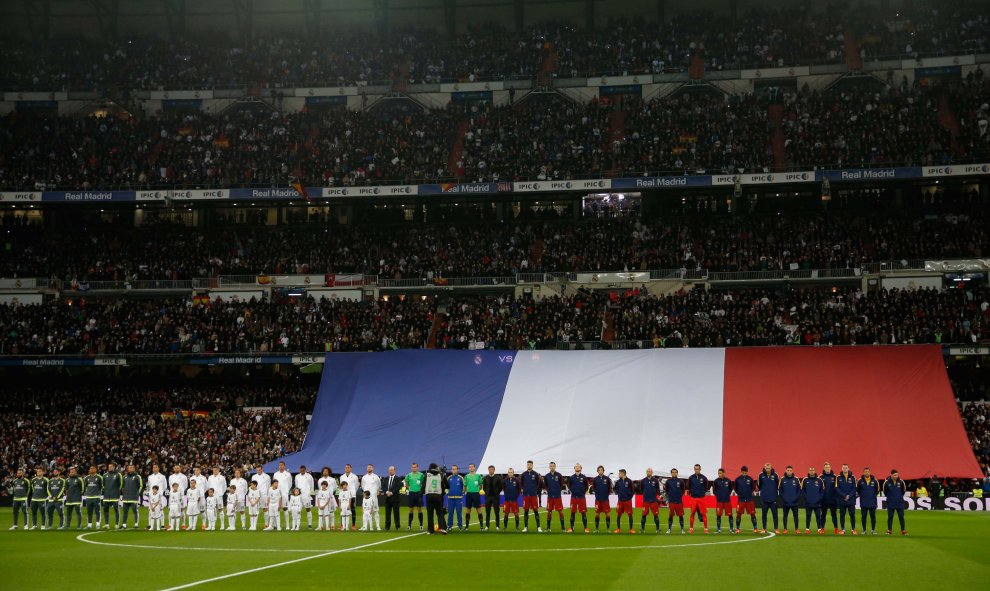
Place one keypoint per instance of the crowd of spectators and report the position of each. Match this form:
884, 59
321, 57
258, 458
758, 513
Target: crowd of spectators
864, 128
757, 38
976, 419
543, 137
175, 252
92, 252
698, 318
97, 326
695, 318
238, 148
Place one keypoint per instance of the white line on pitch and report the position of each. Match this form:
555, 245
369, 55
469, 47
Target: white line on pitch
288, 562
493, 550
82, 538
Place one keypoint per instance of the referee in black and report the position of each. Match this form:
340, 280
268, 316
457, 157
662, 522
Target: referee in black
433, 486
491, 484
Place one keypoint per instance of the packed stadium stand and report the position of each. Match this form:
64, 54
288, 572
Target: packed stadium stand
190, 222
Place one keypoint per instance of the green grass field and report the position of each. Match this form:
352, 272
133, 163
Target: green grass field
945, 550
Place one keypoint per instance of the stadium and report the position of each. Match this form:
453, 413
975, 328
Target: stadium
495, 293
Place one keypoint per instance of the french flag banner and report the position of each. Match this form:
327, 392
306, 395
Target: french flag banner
632, 410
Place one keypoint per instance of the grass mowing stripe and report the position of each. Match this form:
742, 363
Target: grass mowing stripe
502, 550
286, 563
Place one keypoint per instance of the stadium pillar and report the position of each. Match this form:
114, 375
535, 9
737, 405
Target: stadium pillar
734, 9
661, 11
175, 16
39, 18
589, 14
519, 12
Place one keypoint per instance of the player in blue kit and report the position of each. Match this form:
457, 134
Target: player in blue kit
511, 487
624, 492
830, 504
554, 484
674, 488
868, 490
531, 496
769, 484
722, 487
649, 487
744, 486
813, 490
790, 495
698, 486
602, 486
578, 485
845, 490
895, 490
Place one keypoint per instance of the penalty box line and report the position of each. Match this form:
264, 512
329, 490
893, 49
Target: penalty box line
288, 562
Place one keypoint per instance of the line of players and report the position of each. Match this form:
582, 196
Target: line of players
190, 497
830, 492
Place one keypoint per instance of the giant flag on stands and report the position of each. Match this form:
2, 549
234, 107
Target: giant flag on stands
660, 408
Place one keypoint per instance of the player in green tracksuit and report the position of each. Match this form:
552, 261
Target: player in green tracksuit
39, 497
131, 491
113, 482
20, 490
92, 493
74, 486
56, 495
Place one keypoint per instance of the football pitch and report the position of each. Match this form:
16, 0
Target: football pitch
945, 550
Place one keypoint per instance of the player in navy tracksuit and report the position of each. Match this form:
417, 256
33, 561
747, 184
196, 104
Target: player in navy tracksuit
531, 495
744, 486
895, 490
697, 489
674, 487
868, 490
624, 492
769, 484
845, 492
813, 489
554, 484
722, 487
831, 502
578, 485
650, 488
602, 486
790, 495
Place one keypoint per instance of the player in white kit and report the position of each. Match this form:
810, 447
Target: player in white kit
344, 498
274, 508
218, 482
325, 506
194, 497
264, 485
240, 492
175, 508
304, 482
295, 510
156, 513
212, 509
253, 504
369, 513
231, 508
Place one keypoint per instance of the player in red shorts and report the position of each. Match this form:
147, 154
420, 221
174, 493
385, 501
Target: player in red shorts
650, 489
674, 488
578, 485
510, 488
602, 486
744, 503
624, 491
554, 484
698, 486
722, 487
531, 483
